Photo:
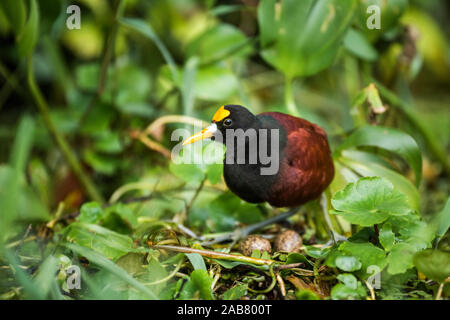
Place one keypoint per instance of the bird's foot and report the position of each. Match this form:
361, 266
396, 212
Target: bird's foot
335, 238
233, 236
243, 232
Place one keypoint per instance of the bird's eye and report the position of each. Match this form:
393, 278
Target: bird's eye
227, 122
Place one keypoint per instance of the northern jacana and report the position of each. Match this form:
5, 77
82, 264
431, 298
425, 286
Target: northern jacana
304, 168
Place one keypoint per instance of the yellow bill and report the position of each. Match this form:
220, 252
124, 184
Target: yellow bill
206, 133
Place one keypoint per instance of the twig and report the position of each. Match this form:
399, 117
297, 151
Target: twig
303, 272
289, 266
141, 185
372, 292
216, 255
170, 276
16, 243
154, 145
143, 136
27, 232
281, 284
188, 232
61, 141
271, 286
216, 278
439, 292
173, 119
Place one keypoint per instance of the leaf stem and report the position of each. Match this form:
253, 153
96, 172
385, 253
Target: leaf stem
60, 140
216, 255
272, 285
170, 276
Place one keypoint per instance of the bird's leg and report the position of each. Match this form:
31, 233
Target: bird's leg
243, 232
335, 237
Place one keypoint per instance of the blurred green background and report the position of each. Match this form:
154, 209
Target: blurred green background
78, 107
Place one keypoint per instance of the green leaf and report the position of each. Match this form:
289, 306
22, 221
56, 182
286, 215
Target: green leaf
386, 236
131, 263
22, 143
197, 261
306, 294
214, 172
108, 142
342, 292
356, 43
144, 28
348, 280
412, 235
400, 258
15, 13
19, 204
268, 24
390, 12
317, 253
367, 166
236, 292
369, 201
155, 272
22, 277
295, 257
219, 42
323, 24
135, 85
412, 229
109, 243
90, 212
108, 265
215, 83
187, 172
227, 209
347, 263
368, 254
389, 139
224, 9
86, 76
441, 221
103, 163
188, 85
202, 282
434, 264
231, 264
125, 213
29, 36
45, 279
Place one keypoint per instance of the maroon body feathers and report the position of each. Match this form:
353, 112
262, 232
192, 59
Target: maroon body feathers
306, 165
